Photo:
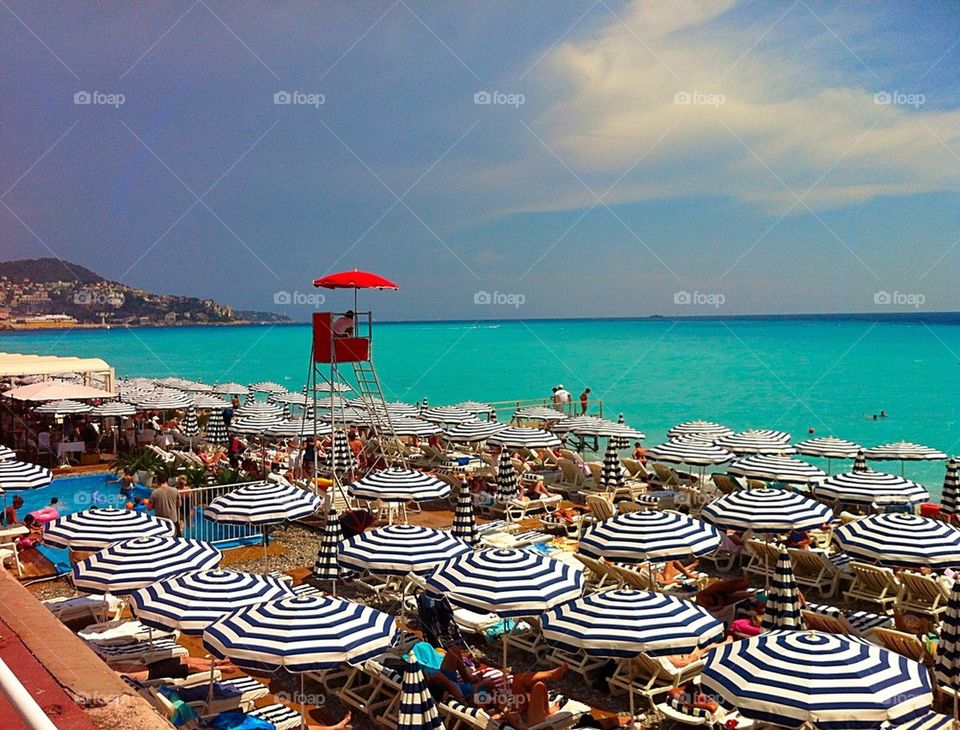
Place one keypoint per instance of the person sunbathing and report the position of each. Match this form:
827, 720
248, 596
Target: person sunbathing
693, 698
723, 593
449, 672
535, 490
34, 534
172, 668
530, 703
674, 568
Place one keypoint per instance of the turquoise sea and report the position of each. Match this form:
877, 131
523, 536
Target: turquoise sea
793, 374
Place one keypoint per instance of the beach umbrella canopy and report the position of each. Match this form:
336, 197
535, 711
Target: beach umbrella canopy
254, 424
951, 489
507, 482
771, 468
190, 602
611, 476
703, 430
399, 485
301, 634
464, 520
624, 623
17, 475
518, 437
766, 510
355, 280
62, 408
871, 487
113, 409
98, 527
215, 430
6, 453
301, 427
690, 451
256, 408
757, 441
475, 407
537, 413
125, 566
327, 565
900, 538
268, 386
263, 503
474, 431
947, 666
293, 399
400, 549
783, 597
649, 535
189, 426
406, 426
52, 390
510, 583
829, 447
417, 708
230, 389
447, 414
326, 388
163, 400
903, 451
580, 425
830, 681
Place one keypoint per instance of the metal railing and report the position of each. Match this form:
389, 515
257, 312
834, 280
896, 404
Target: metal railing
505, 408
194, 525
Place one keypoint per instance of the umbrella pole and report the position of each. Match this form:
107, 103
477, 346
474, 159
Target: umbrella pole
303, 717
264, 541
213, 665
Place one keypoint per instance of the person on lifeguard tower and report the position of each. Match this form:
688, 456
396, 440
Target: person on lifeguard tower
343, 326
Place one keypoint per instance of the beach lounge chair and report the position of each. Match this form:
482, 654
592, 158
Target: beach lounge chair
815, 570
520, 509
362, 689
821, 622
860, 623
8, 551
649, 678
143, 652
278, 715
635, 470
594, 573
571, 478
528, 636
120, 632
725, 484
665, 476
873, 584
94, 606
458, 716
229, 695
922, 594
761, 559
580, 662
902, 643
673, 712
600, 507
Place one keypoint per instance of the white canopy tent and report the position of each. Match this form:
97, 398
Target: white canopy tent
43, 367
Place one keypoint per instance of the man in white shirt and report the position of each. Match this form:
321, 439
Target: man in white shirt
564, 398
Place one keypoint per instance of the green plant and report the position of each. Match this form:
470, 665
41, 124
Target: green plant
137, 460
229, 476
197, 477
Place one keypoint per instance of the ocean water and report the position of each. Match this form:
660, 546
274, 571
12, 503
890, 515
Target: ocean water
825, 374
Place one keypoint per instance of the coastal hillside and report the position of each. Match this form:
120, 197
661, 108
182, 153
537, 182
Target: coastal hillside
50, 292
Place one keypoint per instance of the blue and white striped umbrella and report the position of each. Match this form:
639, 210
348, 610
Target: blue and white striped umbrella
471, 432
690, 451
783, 597
405, 426
447, 414
399, 485
268, 387
230, 389
475, 407
649, 535
611, 476
860, 462
300, 427
206, 402
189, 426
951, 490
507, 481
871, 487
899, 539
190, 602
98, 527
401, 549
6, 453
62, 408
903, 451
829, 447
113, 409
947, 667
215, 431
703, 430
770, 468
257, 408
829, 681
537, 413
757, 441
301, 634
164, 400
519, 437
928, 721
125, 566
17, 475
263, 503
417, 708
510, 583
623, 623
766, 510
339, 456
327, 565
464, 520
258, 424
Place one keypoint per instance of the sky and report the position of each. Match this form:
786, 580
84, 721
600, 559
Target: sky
496, 160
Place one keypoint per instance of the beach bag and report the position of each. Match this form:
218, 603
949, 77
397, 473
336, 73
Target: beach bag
355, 521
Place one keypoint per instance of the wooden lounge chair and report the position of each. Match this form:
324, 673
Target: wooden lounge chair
666, 476
902, 643
600, 508
571, 478
580, 662
650, 678
821, 622
530, 639
594, 573
635, 470
873, 584
725, 484
922, 594
761, 559
813, 569
520, 509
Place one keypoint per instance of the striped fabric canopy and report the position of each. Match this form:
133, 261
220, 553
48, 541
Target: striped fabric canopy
417, 708
324, 386
62, 408
947, 667
400, 549
125, 566
507, 482
215, 430
871, 487
903, 451
473, 431
17, 475
611, 477
601, 427
782, 610
339, 456
475, 407
447, 414
829, 447
928, 721
766, 510
899, 539
327, 565
405, 426
230, 389
860, 462
757, 441
689, 451
189, 426
293, 399
518, 437
464, 520
114, 409
6, 453
256, 408
98, 527
831, 681
301, 427
951, 489
164, 400
399, 485
268, 386
263, 503
623, 623
256, 424
537, 413
649, 535
301, 634
190, 602
705, 430
510, 583
777, 469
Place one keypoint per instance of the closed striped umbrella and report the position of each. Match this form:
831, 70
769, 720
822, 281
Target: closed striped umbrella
6, 453
254, 424
757, 441
340, 456
464, 520
17, 475
113, 409
327, 565
871, 487
230, 389
301, 634
537, 413
623, 623
125, 566
471, 432
649, 535
62, 408
829, 681
860, 462
215, 430
405, 426
189, 426
704, 430
829, 447
250, 399
399, 485
417, 708
951, 489
507, 482
518, 437
947, 666
612, 475
900, 539
400, 549
190, 602
263, 503
782, 609
98, 527
447, 414
690, 451
766, 510
771, 468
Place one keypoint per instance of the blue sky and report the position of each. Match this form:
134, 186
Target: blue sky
672, 157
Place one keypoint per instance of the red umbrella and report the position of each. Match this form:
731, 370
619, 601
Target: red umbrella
355, 280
